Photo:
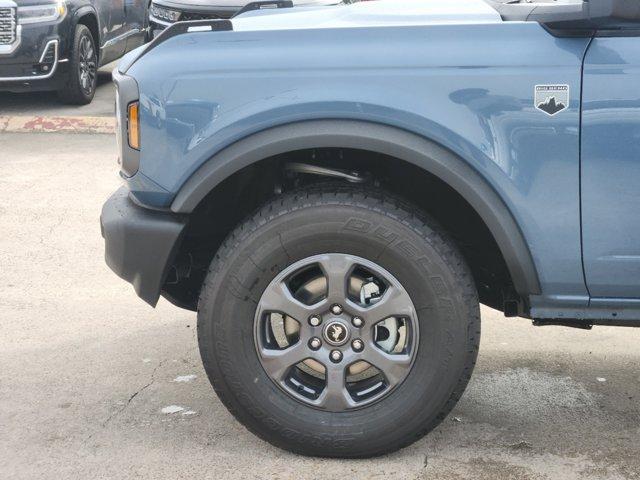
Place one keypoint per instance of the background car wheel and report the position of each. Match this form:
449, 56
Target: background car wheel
339, 322
83, 69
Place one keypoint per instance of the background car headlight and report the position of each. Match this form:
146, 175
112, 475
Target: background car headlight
46, 12
165, 14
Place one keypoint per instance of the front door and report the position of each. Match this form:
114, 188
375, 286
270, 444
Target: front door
611, 167
113, 29
136, 12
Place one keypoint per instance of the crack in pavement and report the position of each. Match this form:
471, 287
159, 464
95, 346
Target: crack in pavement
45, 237
131, 397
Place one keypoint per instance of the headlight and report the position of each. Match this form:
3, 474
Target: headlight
165, 14
42, 13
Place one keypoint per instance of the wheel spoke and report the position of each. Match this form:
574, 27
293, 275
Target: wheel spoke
393, 367
335, 397
277, 362
87, 65
278, 298
336, 269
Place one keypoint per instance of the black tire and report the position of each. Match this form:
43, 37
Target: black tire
371, 225
80, 87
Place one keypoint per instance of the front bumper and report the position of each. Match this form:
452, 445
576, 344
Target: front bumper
140, 244
36, 57
41, 68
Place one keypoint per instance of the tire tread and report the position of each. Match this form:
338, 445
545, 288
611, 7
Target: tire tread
383, 203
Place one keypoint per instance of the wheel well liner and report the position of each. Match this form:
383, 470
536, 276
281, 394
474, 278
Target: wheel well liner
383, 139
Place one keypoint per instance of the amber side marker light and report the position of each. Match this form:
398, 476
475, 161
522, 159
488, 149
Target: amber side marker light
133, 128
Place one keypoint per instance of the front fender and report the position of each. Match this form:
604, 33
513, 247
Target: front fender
380, 139
83, 10
75, 16
468, 88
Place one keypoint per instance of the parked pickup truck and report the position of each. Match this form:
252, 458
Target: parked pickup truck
335, 191
59, 44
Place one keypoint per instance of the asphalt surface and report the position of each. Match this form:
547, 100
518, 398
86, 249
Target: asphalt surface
47, 104
87, 368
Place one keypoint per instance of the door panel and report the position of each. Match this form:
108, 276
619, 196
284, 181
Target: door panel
136, 17
113, 26
611, 167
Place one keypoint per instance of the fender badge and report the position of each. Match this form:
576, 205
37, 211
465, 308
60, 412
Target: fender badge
551, 99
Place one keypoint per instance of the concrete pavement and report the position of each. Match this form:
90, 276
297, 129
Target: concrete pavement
88, 368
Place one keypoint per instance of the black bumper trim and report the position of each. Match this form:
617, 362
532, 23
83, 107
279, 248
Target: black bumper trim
139, 243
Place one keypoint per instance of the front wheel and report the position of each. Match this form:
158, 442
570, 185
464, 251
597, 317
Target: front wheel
83, 69
339, 322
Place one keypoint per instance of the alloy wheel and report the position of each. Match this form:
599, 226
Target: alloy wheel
336, 332
87, 65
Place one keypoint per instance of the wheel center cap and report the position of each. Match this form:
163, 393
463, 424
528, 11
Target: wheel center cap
336, 333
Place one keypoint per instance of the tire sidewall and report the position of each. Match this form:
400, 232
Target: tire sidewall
73, 92
233, 290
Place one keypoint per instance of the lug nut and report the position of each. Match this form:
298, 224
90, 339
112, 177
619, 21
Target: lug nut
314, 320
336, 356
357, 345
357, 322
336, 309
315, 343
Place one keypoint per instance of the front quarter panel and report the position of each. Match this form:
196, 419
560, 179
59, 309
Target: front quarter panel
469, 88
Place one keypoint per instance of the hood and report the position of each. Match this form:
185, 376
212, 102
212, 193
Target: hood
370, 14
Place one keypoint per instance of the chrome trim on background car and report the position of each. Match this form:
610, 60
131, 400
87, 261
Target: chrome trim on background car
161, 22
8, 49
8, 23
49, 74
14, 29
113, 41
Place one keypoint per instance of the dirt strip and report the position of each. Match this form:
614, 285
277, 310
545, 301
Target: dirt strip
31, 124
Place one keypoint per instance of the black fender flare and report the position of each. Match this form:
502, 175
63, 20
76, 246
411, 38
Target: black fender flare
383, 139
83, 11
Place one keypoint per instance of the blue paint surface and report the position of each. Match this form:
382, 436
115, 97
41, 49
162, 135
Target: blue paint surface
469, 88
611, 167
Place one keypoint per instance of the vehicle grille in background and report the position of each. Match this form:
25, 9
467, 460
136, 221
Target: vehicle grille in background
202, 16
7, 26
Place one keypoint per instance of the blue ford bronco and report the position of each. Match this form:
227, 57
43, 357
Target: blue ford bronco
335, 190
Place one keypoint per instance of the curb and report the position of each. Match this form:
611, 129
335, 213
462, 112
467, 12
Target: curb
37, 124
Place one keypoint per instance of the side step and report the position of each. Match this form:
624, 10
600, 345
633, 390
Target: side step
581, 324
586, 323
